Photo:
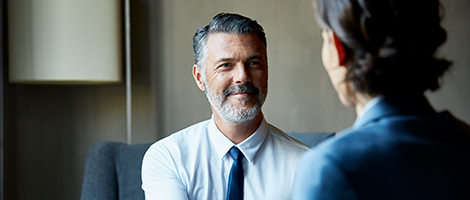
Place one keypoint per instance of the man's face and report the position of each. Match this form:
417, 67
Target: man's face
236, 75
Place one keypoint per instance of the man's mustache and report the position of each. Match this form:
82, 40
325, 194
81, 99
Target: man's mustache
247, 87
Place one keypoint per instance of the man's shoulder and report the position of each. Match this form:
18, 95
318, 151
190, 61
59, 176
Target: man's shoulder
287, 141
183, 138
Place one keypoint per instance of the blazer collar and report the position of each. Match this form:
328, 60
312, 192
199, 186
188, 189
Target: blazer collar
392, 105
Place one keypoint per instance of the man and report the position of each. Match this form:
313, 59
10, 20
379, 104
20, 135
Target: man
236, 154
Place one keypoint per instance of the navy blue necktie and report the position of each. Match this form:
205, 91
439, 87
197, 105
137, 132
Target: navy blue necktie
235, 180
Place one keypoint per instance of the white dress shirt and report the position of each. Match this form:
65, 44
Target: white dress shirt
194, 164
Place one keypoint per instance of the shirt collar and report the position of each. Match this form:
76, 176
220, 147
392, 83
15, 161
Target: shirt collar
359, 119
248, 147
374, 101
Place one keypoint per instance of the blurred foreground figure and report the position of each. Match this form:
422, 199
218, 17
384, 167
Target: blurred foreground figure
380, 58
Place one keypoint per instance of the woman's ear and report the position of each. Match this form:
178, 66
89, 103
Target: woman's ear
340, 49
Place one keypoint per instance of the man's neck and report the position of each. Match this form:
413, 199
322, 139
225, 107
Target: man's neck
238, 133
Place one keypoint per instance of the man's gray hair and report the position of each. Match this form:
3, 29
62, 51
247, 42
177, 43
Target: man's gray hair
223, 23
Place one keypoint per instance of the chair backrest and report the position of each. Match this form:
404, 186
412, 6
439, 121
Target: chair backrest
113, 171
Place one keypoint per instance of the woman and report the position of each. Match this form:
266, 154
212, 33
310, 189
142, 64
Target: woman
379, 55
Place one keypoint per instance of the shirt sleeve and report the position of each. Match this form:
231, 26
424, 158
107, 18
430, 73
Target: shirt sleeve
159, 176
319, 177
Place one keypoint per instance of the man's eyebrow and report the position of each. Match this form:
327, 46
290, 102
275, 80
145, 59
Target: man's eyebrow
225, 59
255, 57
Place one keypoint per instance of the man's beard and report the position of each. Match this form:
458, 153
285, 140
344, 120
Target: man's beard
229, 112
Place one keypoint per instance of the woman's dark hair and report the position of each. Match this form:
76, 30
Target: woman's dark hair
390, 44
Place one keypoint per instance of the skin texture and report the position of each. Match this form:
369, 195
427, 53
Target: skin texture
333, 58
234, 60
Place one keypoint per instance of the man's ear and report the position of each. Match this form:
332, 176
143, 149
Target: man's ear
198, 78
340, 49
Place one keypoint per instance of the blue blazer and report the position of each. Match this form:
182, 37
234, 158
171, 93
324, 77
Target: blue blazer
400, 149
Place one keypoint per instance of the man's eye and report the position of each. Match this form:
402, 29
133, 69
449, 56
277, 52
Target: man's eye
255, 64
225, 65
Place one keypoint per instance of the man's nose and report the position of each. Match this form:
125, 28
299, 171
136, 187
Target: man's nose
241, 74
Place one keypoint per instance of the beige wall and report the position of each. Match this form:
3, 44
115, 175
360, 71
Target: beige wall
49, 129
455, 92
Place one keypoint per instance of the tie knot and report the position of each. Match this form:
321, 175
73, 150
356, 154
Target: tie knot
235, 153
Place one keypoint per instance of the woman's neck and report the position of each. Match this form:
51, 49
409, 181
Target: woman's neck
361, 101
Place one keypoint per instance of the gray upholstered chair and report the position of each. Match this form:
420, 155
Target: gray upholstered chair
112, 169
